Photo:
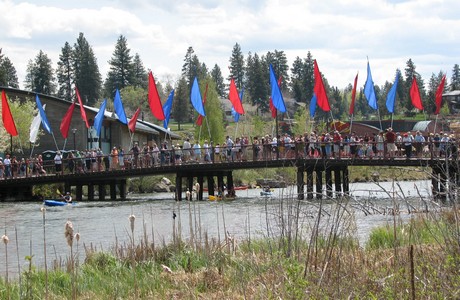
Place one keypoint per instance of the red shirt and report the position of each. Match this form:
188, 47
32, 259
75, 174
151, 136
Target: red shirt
390, 136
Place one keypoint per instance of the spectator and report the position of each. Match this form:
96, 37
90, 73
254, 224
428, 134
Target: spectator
58, 163
390, 137
407, 142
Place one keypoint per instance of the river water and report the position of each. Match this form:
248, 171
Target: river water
101, 224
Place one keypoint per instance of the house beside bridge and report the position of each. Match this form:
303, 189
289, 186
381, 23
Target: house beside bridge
113, 132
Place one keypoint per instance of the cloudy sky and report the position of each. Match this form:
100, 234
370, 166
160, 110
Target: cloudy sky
340, 34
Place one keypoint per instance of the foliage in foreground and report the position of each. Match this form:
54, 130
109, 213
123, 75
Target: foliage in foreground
327, 262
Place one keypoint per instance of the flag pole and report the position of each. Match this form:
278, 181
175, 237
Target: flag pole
435, 123
207, 125
380, 120
332, 117
32, 151
55, 143
351, 121
236, 129
20, 146
391, 120
65, 142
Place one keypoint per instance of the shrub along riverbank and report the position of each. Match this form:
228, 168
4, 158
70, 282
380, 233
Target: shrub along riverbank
314, 255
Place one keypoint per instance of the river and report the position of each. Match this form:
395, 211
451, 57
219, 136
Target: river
102, 223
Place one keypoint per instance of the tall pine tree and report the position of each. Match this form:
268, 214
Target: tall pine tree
121, 73
40, 75
8, 76
455, 79
216, 75
410, 72
257, 84
237, 66
181, 104
87, 75
65, 73
140, 75
190, 67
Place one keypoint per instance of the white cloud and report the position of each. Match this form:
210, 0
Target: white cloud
339, 33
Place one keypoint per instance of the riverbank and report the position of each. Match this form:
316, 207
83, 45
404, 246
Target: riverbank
418, 259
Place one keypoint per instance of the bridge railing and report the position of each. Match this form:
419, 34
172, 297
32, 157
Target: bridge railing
242, 153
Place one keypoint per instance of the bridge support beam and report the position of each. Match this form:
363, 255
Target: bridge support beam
338, 181
199, 193
101, 190
178, 187
230, 186
300, 184
319, 184
122, 188
346, 181
329, 182
79, 192
90, 192
190, 186
220, 183
113, 190
210, 180
309, 183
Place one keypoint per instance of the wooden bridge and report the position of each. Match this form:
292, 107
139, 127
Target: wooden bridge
313, 174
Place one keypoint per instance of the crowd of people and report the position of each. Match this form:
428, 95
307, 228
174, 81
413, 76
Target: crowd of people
333, 145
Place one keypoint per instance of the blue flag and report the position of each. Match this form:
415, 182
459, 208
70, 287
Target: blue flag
236, 116
313, 105
167, 109
277, 96
45, 122
369, 90
391, 97
99, 118
195, 98
119, 109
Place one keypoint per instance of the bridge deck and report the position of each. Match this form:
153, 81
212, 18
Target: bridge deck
209, 168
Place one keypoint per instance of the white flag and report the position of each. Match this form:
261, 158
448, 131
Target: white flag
35, 126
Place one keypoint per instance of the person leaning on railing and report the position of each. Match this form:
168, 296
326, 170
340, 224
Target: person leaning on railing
419, 142
390, 138
407, 142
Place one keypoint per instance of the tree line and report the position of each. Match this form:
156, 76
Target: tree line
78, 66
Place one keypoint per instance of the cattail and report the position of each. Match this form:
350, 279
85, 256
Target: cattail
77, 236
5, 239
69, 233
132, 218
43, 209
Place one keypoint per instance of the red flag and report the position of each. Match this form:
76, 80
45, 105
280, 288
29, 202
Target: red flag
154, 99
320, 91
272, 107
353, 96
234, 97
439, 91
415, 95
82, 109
199, 121
65, 123
7, 117
132, 122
